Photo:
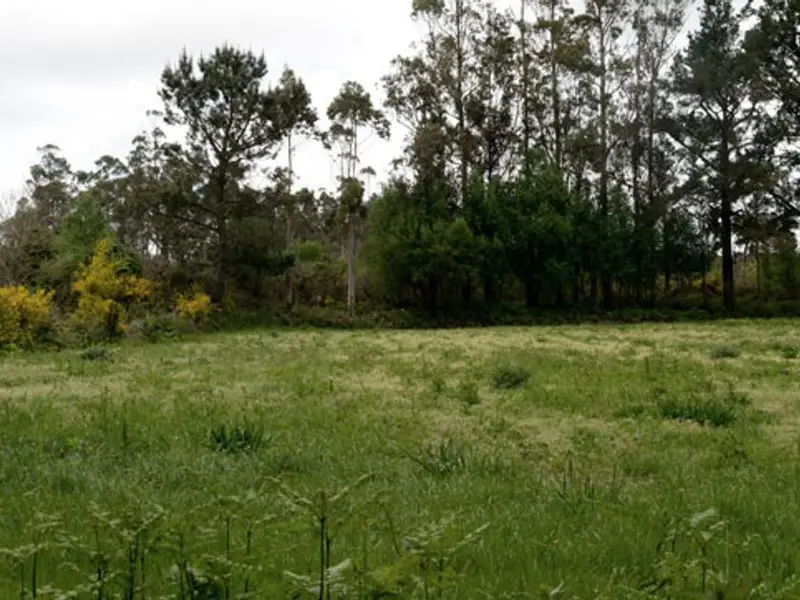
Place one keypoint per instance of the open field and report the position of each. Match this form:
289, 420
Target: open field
575, 462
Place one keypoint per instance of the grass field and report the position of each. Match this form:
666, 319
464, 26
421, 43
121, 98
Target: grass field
575, 462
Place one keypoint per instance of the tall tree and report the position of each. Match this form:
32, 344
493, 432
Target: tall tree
231, 121
560, 56
604, 22
297, 118
655, 25
718, 120
352, 112
776, 44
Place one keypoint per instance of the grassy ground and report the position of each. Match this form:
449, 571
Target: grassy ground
575, 462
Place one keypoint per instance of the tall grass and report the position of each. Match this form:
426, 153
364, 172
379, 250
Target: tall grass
330, 465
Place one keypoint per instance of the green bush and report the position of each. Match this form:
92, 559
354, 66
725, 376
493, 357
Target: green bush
239, 438
510, 377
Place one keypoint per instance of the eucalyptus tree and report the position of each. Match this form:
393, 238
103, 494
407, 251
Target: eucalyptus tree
352, 113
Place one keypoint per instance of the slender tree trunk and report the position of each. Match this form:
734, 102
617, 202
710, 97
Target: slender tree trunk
489, 291
532, 292
758, 271
289, 226
460, 100
726, 215
554, 89
220, 275
351, 266
636, 160
606, 283
526, 114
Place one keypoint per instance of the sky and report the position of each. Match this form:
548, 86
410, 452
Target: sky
82, 74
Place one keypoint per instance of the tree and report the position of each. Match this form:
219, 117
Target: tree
52, 185
776, 45
603, 21
536, 219
297, 117
718, 119
350, 112
231, 122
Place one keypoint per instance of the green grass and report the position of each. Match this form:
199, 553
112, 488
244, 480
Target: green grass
567, 462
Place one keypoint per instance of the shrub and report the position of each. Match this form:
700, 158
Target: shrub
96, 354
468, 394
725, 352
704, 411
24, 315
156, 327
445, 458
235, 439
510, 377
195, 307
104, 293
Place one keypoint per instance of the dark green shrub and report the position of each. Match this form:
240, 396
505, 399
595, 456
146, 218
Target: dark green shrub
96, 354
510, 377
467, 394
157, 328
725, 352
445, 458
705, 411
631, 411
236, 439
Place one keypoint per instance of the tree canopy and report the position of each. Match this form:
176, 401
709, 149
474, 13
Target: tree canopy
552, 156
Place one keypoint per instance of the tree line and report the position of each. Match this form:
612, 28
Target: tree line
551, 157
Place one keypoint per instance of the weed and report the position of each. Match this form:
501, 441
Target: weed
722, 352
631, 411
96, 354
705, 411
510, 377
467, 394
789, 352
235, 439
438, 384
442, 459
156, 328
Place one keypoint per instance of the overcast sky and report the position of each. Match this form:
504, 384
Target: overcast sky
82, 74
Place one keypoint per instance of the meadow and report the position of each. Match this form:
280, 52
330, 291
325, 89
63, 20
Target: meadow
603, 461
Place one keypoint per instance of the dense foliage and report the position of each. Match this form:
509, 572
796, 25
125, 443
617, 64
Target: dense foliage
552, 157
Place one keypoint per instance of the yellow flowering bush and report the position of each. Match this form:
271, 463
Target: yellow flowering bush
195, 307
103, 293
24, 315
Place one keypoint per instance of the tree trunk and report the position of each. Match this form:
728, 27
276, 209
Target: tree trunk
606, 283
758, 271
351, 266
526, 114
289, 226
726, 216
467, 291
532, 292
636, 160
554, 91
459, 99
489, 291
